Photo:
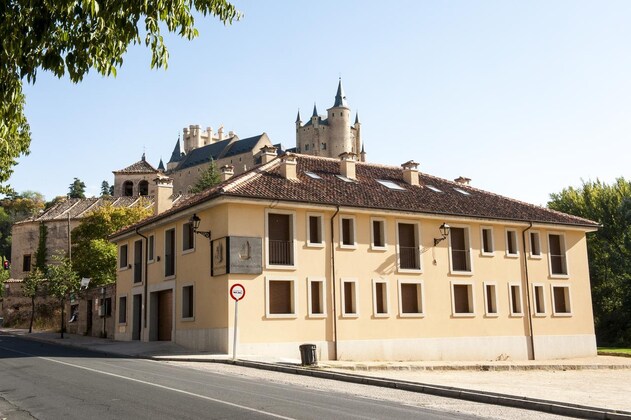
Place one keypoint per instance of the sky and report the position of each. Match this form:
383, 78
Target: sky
524, 98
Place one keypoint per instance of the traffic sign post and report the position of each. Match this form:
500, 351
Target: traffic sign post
237, 292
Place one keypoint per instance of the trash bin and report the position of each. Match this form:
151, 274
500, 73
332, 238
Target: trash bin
308, 354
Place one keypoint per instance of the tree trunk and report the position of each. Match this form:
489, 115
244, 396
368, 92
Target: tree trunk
30, 327
62, 318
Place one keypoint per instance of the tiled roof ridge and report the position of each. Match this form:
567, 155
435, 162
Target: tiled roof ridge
524, 203
250, 175
132, 168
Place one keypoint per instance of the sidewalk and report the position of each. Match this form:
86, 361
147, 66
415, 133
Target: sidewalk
598, 387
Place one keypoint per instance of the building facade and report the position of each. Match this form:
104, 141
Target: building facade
368, 262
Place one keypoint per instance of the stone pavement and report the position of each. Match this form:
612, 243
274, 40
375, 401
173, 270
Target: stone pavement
598, 387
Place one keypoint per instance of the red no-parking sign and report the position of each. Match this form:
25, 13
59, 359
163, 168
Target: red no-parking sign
237, 292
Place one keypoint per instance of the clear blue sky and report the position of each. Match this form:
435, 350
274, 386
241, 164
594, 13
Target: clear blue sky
525, 98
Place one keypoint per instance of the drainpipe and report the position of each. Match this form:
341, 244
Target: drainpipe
532, 335
144, 307
333, 285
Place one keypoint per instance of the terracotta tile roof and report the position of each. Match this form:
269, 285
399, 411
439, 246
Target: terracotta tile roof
451, 199
140, 167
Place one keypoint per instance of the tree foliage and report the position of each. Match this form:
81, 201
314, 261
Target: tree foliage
15, 208
76, 189
42, 252
62, 281
31, 286
209, 178
609, 251
105, 189
72, 37
93, 255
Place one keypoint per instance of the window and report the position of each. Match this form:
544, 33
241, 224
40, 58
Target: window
26, 263
128, 189
306, 147
408, 246
556, 249
511, 243
150, 248
561, 305
410, 298
312, 175
323, 145
487, 241
106, 307
143, 188
431, 187
169, 252
378, 234
280, 238
188, 237
345, 179
315, 291
460, 252
490, 299
462, 299
347, 227
380, 298
137, 261
461, 191
188, 301
514, 291
281, 299
349, 298
538, 297
122, 257
122, 310
535, 245
391, 185
314, 230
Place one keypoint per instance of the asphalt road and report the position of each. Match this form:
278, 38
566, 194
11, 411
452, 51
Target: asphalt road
46, 381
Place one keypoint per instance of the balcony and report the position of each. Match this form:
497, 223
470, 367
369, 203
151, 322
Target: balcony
280, 252
409, 258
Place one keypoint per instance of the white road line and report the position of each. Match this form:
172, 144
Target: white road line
266, 413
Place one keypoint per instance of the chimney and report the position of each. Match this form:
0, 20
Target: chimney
347, 165
463, 180
162, 198
267, 153
220, 132
288, 166
410, 172
226, 172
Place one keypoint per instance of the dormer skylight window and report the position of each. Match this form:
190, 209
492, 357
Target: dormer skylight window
312, 175
345, 179
462, 191
431, 187
390, 184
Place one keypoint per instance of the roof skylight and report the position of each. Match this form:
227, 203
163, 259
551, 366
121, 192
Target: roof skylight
431, 187
390, 184
345, 179
462, 191
312, 175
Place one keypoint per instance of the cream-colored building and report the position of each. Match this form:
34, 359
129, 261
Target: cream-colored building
368, 262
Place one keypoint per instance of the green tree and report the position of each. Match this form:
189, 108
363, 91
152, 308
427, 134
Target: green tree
62, 281
31, 286
609, 251
93, 255
76, 189
209, 178
73, 37
105, 189
42, 252
4, 276
15, 208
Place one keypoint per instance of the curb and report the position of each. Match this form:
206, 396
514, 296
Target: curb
546, 406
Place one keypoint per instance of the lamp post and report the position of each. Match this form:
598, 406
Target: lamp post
195, 220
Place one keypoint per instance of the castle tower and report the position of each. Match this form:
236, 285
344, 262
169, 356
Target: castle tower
332, 136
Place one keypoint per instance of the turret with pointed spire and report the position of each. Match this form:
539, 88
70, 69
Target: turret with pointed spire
332, 136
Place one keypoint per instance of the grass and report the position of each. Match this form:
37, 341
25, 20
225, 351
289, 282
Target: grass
614, 351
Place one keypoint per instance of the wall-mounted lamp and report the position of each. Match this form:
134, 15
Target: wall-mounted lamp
195, 222
444, 232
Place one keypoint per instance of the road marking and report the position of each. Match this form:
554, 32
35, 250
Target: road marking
266, 413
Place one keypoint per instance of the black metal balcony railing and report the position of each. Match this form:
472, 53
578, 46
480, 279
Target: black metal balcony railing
460, 260
280, 252
409, 257
558, 264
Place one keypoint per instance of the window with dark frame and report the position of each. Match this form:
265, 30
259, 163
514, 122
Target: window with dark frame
188, 237
169, 252
348, 231
487, 240
26, 263
150, 248
122, 309
381, 298
315, 230
187, 301
558, 265
459, 241
378, 234
122, 257
511, 242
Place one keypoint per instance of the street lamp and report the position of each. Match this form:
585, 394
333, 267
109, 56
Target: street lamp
444, 232
195, 220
